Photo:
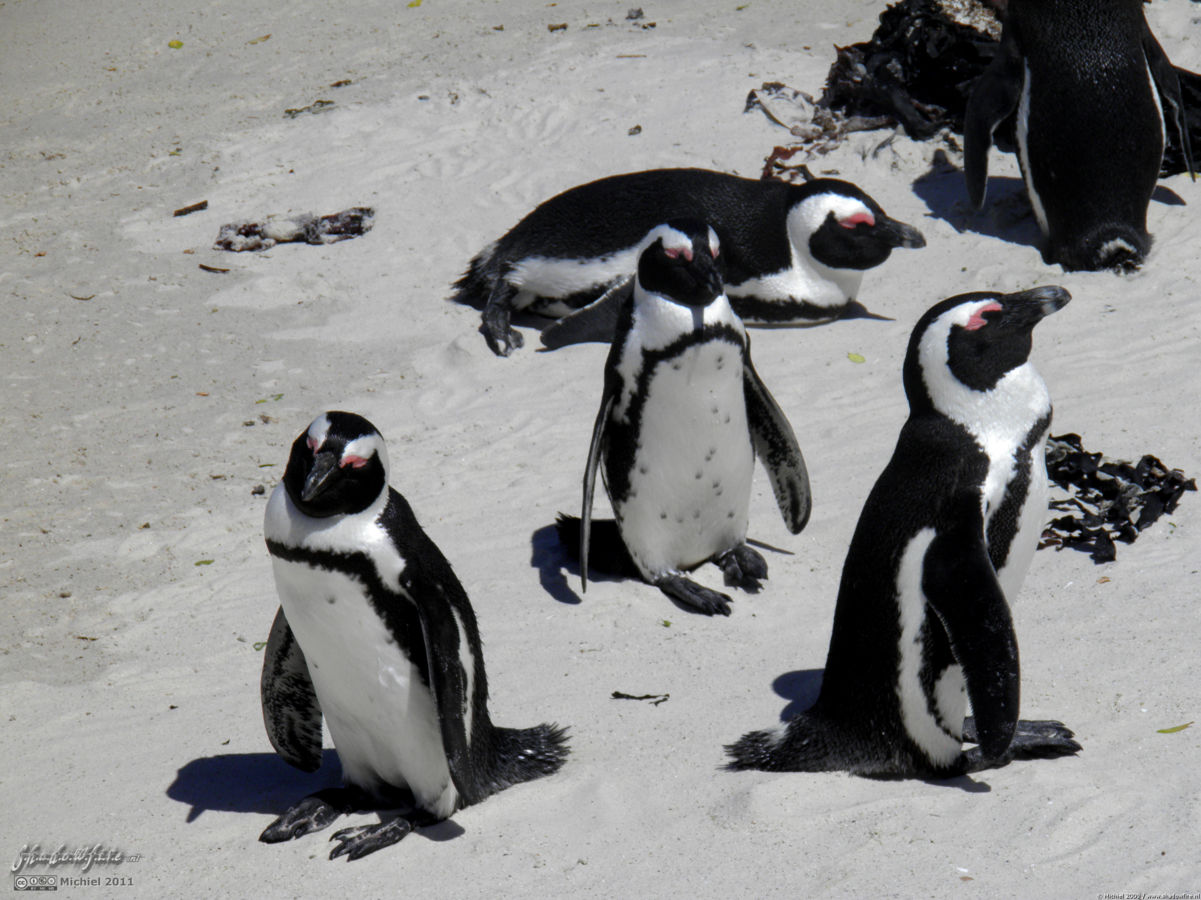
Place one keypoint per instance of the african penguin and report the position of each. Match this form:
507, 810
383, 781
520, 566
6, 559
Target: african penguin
922, 624
1091, 88
793, 252
375, 632
682, 417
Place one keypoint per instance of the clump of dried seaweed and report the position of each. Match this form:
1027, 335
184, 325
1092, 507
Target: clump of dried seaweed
1108, 500
305, 228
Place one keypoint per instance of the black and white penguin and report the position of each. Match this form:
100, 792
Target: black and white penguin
1091, 88
375, 632
922, 625
681, 420
793, 252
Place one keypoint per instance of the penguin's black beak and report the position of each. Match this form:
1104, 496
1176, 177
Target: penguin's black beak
898, 234
1028, 308
700, 282
325, 470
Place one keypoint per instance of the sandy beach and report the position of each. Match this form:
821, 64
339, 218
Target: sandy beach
149, 405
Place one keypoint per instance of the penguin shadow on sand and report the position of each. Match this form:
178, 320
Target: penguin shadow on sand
263, 784
555, 565
1007, 214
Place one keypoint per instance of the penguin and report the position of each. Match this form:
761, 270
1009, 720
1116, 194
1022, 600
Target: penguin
1093, 91
682, 417
794, 252
375, 633
922, 623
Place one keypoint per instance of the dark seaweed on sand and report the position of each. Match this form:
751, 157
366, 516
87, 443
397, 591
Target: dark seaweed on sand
920, 65
1109, 500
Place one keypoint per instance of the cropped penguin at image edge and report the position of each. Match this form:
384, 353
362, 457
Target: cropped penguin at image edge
794, 253
375, 633
1092, 94
922, 624
682, 418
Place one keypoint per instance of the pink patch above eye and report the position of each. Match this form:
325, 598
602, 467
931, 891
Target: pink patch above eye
977, 321
312, 442
355, 462
713, 252
677, 252
860, 218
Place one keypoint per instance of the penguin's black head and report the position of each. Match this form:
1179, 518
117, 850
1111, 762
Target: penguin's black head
338, 466
841, 227
973, 340
680, 261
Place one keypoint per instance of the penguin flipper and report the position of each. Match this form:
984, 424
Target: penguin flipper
776, 444
291, 710
1167, 81
994, 97
594, 455
962, 589
596, 322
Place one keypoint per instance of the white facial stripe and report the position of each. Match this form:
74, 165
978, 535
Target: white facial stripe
318, 430
812, 213
1006, 412
714, 243
367, 446
807, 279
672, 239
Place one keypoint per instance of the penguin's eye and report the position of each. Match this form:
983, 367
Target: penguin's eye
713, 251
312, 442
859, 218
355, 462
978, 321
677, 252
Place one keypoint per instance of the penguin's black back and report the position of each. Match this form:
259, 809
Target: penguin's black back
932, 481
615, 213
500, 757
1095, 132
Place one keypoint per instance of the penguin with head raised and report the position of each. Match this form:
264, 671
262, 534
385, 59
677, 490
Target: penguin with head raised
922, 624
1093, 93
793, 252
375, 633
682, 417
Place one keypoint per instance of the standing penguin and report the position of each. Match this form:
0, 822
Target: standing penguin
922, 624
1091, 87
375, 632
682, 417
793, 252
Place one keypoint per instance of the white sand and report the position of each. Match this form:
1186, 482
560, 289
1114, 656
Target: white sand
130, 702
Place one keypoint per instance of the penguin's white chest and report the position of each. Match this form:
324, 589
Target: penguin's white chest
380, 714
1031, 519
690, 484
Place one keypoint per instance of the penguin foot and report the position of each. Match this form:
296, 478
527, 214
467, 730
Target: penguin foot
743, 567
502, 340
358, 841
1032, 739
693, 595
313, 813
1043, 739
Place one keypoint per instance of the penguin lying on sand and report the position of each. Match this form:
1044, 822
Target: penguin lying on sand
375, 632
1093, 93
794, 252
682, 418
922, 624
